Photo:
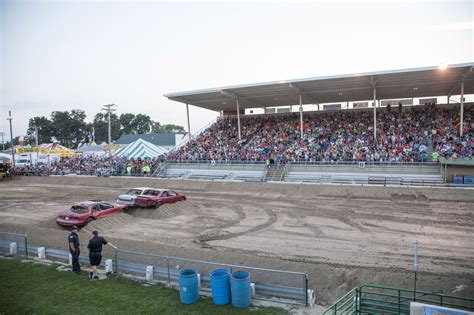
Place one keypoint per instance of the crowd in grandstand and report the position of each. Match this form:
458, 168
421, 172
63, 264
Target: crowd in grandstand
402, 136
92, 165
415, 134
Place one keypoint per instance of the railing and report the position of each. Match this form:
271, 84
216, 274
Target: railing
215, 162
366, 163
20, 239
279, 286
348, 304
375, 299
193, 136
288, 287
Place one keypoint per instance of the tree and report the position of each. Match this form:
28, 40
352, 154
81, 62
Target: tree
70, 127
156, 127
142, 124
46, 131
127, 123
171, 128
101, 127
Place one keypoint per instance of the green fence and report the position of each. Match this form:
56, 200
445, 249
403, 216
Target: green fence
374, 299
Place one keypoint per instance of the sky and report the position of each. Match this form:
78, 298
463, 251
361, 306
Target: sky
63, 55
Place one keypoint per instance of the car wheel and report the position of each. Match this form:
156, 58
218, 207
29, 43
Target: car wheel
88, 220
184, 198
124, 210
158, 204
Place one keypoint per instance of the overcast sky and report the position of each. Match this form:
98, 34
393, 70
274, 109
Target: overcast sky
60, 55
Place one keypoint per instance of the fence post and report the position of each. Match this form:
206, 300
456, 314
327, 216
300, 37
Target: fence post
306, 289
399, 302
168, 268
26, 246
115, 261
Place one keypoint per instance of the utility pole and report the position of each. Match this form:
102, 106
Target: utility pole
3, 141
36, 143
10, 118
108, 109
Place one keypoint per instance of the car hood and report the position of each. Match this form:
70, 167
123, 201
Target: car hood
127, 197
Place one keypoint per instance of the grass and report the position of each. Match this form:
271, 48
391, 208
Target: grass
28, 287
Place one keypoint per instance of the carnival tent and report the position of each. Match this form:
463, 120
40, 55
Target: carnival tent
140, 149
87, 150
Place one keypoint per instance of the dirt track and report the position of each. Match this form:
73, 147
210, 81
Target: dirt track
343, 236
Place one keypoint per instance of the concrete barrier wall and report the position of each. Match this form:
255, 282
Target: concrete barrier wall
279, 190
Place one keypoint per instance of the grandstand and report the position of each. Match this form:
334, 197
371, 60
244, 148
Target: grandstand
391, 143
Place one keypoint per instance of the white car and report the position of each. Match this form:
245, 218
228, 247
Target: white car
22, 163
129, 198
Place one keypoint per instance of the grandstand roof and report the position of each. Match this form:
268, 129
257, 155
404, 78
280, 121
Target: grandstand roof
392, 84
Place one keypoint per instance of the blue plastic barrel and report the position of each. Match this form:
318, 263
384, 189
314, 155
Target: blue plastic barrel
457, 179
220, 286
468, 180
188, 286
240, 289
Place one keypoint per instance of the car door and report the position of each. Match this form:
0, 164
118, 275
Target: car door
172, 196
164, 197
96, 211
107, 208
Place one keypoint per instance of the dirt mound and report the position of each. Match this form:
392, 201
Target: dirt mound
109, 223
164, 211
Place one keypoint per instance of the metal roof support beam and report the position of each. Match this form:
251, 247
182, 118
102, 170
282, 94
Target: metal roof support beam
235, 96
301, 116
297, 90
463, 77
238, 118
461, 125
375, 113
189, 125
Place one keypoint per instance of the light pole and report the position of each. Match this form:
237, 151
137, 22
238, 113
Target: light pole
36, 143
10, 118
415, 267
108, 109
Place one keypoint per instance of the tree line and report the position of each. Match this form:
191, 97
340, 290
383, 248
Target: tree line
70, 128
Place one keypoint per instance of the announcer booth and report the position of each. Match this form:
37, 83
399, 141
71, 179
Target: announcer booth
352, 91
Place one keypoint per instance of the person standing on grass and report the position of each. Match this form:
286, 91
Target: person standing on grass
95, 253
73, 240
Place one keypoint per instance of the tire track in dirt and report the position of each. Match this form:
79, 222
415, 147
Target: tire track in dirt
207, 237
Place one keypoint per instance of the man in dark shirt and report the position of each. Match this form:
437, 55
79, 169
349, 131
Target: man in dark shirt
73, 240
95, 252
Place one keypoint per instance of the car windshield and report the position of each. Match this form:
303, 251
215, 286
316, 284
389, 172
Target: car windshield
78, 209
134, 192
23, 161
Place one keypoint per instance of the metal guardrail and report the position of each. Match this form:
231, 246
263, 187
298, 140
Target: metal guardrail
15, 237
375, 299
267, 281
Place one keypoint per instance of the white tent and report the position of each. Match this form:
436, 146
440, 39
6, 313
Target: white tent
87, 150
140, 149
4, 156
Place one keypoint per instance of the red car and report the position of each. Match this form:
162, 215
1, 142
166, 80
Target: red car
157, 197
84, 212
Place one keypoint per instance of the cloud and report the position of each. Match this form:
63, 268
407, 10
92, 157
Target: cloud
462, 26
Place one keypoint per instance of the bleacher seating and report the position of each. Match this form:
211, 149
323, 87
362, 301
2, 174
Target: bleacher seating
212, 171
428, 174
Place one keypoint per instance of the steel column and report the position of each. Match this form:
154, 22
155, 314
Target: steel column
461, 125
238, 119
301, 115
189, 125
375, 113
